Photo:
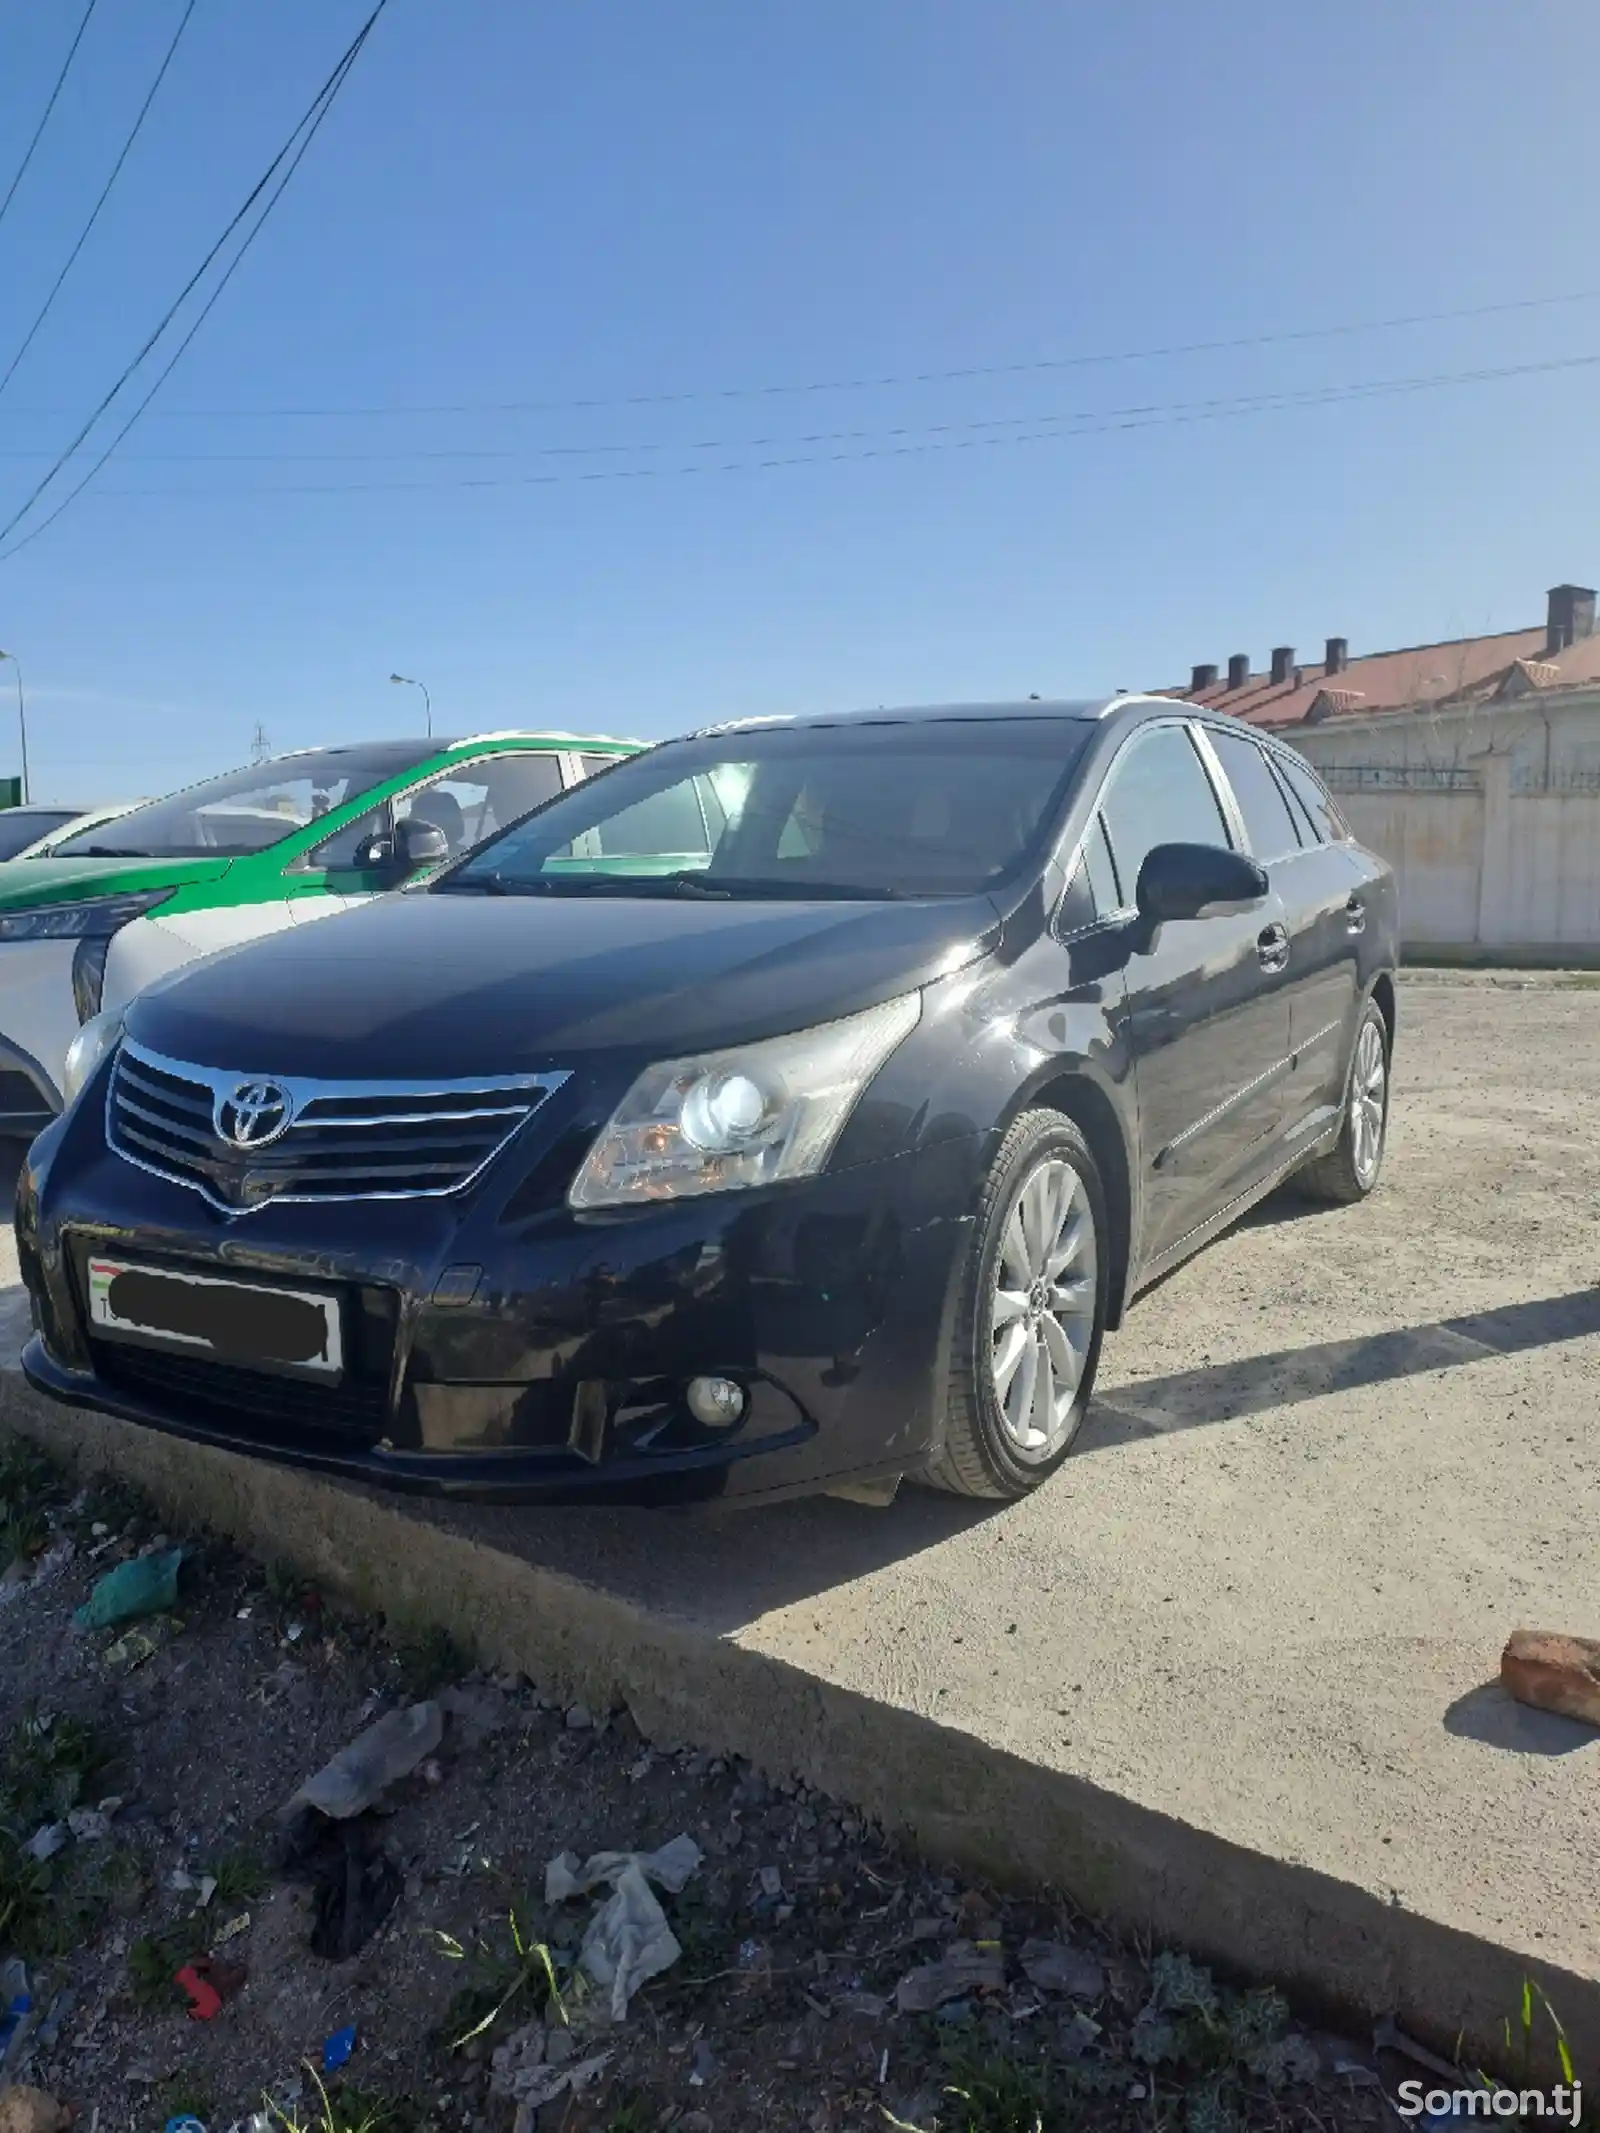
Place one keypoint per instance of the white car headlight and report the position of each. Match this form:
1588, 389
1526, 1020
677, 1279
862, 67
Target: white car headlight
100, 1035
755, 1115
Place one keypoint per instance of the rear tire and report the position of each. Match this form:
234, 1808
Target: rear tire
1350, 1170
1031, 1315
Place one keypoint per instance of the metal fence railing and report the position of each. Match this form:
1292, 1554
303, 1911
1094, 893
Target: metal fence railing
1398, 777
1556, 783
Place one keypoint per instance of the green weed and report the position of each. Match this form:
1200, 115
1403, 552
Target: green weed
154, 1961
45, 1770
515, 1975
1519, 2047
28, 1921
425, 1661
343, 2110
632, 2115
184, 2095
31, 1486
241, 1877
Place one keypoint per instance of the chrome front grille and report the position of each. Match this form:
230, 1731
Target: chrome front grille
313, 1140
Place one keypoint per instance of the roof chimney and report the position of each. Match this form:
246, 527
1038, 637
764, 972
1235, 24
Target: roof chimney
1202, 678
1338, 655
1238, 670
1282, 663
1571, 617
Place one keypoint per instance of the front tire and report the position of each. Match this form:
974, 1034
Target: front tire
1031, 1315
1350, 1170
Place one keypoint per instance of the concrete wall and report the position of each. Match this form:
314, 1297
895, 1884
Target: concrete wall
1490, 818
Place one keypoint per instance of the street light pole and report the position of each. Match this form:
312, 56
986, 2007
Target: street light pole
22, 720
406, 681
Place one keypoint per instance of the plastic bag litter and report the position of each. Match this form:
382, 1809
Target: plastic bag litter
148, 1585
532, 2081
374, 1760
15, 2022
671, 1865
628, 1939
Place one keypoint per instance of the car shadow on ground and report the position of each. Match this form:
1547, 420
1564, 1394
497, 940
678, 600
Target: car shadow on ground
1223, 1392
726, 1568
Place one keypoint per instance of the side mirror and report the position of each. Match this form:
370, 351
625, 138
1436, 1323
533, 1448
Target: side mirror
1197, 881
419, 844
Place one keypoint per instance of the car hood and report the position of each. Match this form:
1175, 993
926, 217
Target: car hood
27, 882
438, 985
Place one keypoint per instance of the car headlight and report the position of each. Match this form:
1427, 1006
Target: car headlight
96, 919
97, 1039
755, 1115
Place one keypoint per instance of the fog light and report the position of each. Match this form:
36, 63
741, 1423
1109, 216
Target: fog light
715, 1402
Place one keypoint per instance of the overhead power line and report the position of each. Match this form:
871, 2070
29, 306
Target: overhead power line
1059, 429
1246, 403
105, 194
1090, 360
38, 131
272, 185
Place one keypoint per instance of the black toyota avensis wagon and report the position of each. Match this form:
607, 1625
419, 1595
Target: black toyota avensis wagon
793, 1106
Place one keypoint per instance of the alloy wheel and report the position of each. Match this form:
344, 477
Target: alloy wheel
1042, 1309
1368, 1091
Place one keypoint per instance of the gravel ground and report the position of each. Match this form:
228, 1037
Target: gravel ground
796, 1931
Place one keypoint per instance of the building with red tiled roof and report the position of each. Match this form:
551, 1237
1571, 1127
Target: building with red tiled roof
1563, 653
1473, 766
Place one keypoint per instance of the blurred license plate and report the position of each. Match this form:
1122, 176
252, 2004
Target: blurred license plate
220, 1321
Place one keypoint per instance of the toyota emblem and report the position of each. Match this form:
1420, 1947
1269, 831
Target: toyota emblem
253, 1114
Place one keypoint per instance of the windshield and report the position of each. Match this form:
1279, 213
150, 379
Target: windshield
22, 826
247, 810
936, 807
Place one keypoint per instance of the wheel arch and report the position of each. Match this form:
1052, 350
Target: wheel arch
1382, 996
1091, 1110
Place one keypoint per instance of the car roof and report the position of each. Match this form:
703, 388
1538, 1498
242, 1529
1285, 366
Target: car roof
1084, 710
443, 746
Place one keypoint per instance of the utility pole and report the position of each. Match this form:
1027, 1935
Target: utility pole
406, 682
260, 746
22, 721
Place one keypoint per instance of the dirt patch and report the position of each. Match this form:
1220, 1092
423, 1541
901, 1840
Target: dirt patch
827, 1981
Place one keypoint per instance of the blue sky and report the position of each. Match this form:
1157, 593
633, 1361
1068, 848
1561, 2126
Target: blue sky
519, 203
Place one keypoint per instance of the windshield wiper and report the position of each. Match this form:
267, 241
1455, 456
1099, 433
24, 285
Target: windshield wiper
799, 892
681, 883
106, 851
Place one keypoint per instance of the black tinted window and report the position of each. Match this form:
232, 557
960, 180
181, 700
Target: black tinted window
1326, 819
1092, 893
1268, 824
912, 807
1158, 793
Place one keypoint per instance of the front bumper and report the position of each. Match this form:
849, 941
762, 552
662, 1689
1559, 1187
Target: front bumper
562, 1377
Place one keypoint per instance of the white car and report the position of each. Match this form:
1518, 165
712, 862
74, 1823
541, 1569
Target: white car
33, 832
281, 843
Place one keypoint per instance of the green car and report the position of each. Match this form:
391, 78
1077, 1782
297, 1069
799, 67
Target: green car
286, 841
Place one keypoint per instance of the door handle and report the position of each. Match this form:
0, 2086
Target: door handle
1272, 947
1355, 915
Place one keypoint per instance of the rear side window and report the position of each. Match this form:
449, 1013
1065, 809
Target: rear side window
1303, 782
1158, 793
1268, 822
